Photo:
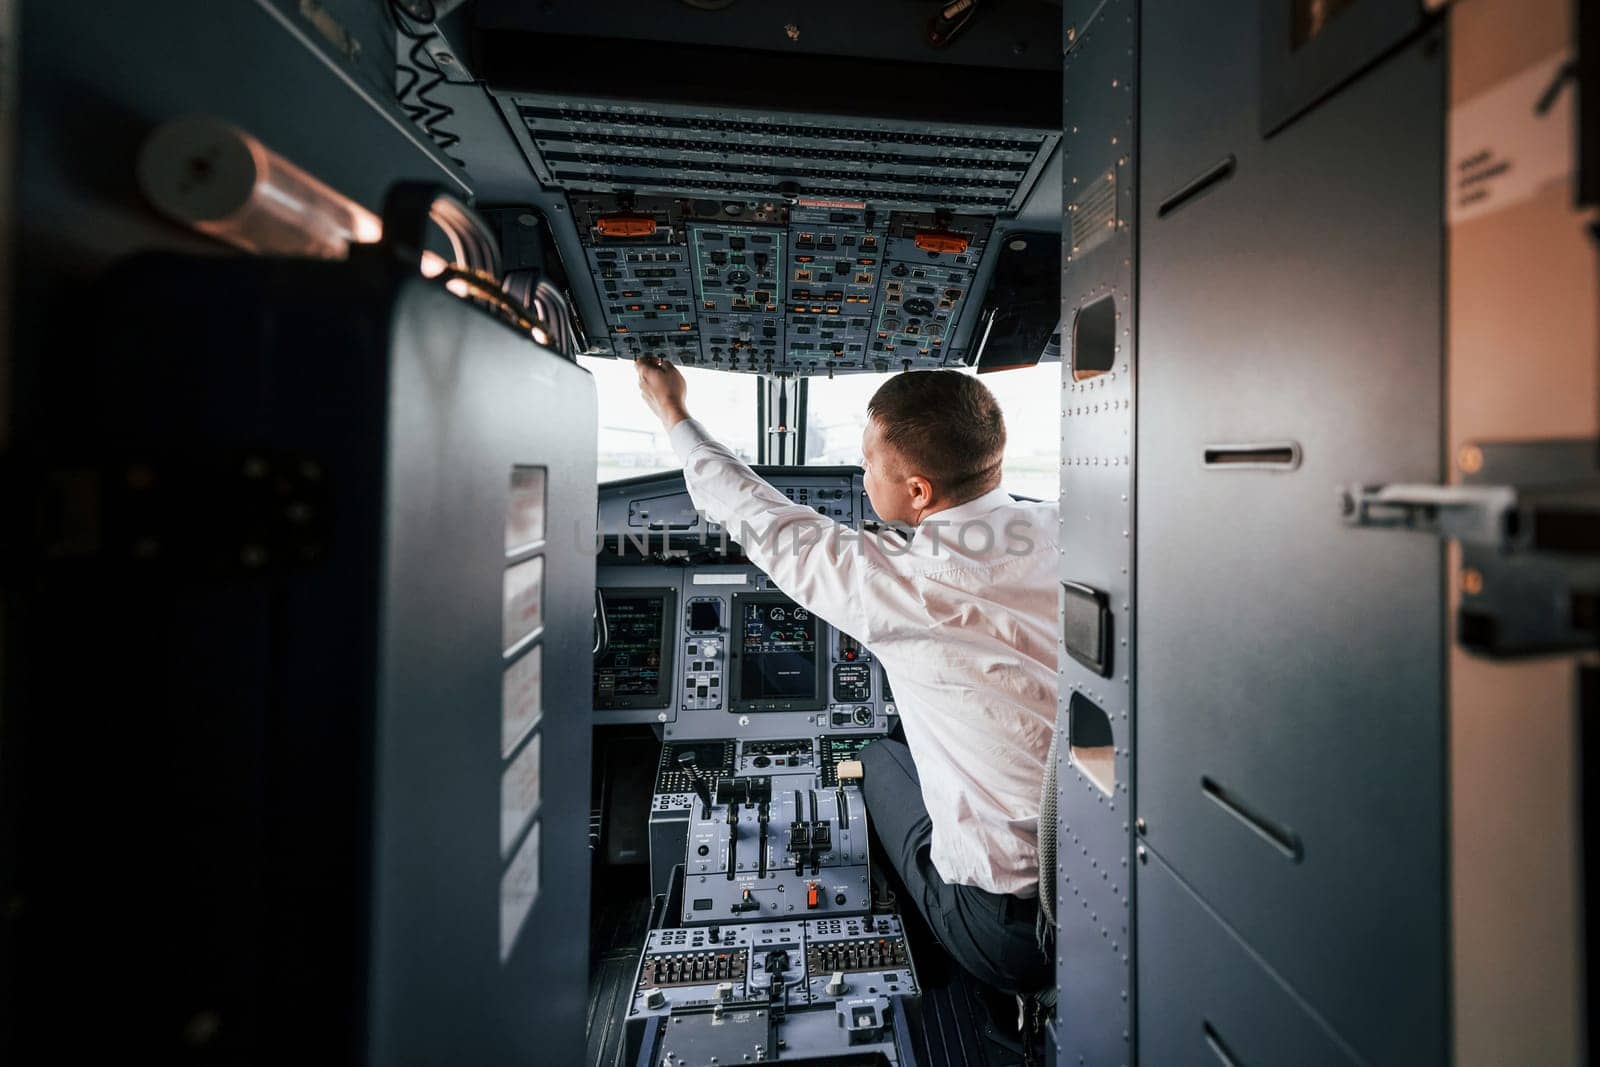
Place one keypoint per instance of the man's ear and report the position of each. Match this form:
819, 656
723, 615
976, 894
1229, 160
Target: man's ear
920, 490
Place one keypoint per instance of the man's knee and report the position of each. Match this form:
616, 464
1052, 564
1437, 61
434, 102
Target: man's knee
887, 758
884, 766
873, 754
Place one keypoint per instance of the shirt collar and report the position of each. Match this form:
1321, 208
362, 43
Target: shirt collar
975, 508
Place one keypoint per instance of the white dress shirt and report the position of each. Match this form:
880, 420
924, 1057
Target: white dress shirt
963, 619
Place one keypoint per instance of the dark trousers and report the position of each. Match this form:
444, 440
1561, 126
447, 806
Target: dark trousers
990, 935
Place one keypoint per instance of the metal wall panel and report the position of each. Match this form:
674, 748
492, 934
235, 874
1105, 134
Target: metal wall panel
1208, 1000
1094, 837
1292, 737
304, 647
477, 922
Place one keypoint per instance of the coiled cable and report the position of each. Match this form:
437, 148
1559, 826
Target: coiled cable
419, 75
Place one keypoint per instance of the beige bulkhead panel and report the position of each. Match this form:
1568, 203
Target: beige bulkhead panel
1522, 348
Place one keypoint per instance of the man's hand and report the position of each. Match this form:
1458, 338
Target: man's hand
663, 388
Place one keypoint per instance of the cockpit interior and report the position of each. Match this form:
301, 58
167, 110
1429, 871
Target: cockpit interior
386, 679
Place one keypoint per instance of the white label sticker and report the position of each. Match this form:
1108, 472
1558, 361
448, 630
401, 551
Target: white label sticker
1504, 148
525, 508
521, 698
519, 888
524, 601
721, 579
519, 793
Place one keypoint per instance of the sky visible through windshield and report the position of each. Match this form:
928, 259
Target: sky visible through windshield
632, 442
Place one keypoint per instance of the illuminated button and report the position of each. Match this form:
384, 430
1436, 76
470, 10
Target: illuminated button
811, 894
625, 226
941, 243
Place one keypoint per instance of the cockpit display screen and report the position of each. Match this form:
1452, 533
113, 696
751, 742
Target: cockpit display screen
635, 668
779, 661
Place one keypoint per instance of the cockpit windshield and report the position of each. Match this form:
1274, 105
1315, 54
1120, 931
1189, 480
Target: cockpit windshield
631, 441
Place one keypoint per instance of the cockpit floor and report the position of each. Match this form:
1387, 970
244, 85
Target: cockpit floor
616, 938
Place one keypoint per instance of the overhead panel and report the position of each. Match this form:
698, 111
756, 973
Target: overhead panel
789, 244
611, 147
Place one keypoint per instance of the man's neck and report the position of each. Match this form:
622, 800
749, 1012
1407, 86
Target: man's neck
939, 505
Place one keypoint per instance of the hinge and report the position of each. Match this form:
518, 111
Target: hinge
1527, 516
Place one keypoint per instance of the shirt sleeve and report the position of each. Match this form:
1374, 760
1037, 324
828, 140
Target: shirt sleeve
833, 571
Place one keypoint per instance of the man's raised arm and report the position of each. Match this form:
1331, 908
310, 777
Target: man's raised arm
823, 565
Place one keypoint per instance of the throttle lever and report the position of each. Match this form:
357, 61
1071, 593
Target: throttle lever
702, 788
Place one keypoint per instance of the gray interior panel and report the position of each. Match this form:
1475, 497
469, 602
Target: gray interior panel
1205, 999
476, 920
1094, 839
1291, 733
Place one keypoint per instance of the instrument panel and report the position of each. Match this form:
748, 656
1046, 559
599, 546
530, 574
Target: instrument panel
713, 648
655, 510
766, 241
719, 651
807, 286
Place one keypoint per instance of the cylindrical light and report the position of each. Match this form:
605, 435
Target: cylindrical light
204, 173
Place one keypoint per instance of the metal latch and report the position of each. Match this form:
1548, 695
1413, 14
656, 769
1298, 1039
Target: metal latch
1527, 517
1471, 514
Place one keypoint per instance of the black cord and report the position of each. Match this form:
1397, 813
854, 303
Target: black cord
427, 113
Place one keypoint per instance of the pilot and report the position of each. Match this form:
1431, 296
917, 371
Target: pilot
962, 618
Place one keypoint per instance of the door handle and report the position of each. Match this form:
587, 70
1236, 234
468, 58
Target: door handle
1527, 517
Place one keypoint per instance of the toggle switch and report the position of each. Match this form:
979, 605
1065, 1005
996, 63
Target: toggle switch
811, 894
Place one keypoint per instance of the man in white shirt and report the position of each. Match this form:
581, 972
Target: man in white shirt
962, 618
